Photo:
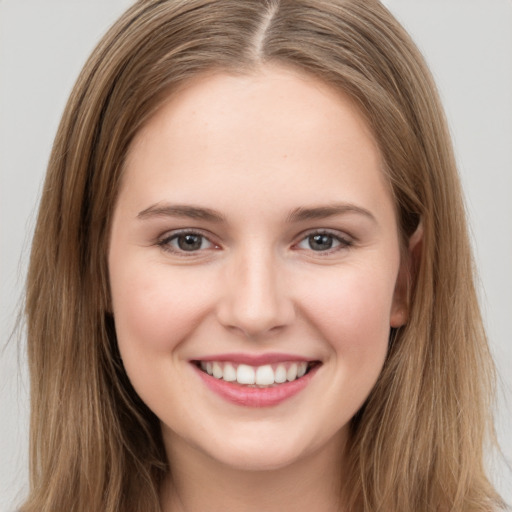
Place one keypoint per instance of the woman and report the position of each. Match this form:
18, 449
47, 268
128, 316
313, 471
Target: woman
251, 283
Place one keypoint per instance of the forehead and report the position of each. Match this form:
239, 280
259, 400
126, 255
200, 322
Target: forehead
275, 124
229, 100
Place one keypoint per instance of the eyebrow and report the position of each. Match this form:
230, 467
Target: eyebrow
186, 211
323, 212
297, 215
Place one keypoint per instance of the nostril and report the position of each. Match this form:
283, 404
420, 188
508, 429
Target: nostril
255, 299
256, 321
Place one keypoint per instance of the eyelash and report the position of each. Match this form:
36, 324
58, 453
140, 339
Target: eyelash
343, 243
165, 242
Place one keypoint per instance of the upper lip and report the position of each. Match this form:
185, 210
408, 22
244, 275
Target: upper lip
255, 359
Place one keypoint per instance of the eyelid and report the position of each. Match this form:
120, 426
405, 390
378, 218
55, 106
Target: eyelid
164, 240
345, 241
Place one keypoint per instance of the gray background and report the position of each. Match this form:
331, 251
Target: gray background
43, 45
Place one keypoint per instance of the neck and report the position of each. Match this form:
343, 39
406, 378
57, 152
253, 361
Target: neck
197, 482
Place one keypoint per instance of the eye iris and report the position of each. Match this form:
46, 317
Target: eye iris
189, 242
320, 242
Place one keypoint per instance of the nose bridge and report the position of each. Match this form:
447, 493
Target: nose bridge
256, 300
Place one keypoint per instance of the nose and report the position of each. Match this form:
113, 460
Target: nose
255, 299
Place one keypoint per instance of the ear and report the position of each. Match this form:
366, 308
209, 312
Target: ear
406, 275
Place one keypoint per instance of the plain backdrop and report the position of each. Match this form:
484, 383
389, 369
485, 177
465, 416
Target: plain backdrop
43, 45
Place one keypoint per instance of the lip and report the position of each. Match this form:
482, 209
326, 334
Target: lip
254, 359
253, 396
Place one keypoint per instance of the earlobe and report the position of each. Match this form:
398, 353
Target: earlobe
398, 316
406, 278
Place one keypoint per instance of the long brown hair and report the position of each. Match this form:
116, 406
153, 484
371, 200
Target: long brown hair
418, 442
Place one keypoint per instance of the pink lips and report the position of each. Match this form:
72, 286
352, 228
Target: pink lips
255, 359
255, 396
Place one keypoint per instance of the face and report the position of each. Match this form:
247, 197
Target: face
254, 265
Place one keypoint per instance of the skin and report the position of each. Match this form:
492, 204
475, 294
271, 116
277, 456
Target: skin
255, 284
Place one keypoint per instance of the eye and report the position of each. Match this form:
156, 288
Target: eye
186, 241
323, 242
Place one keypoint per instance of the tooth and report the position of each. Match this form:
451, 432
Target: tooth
265, 375
291, 374
217, 370
280, 375
262, 376
245, 374
229, 373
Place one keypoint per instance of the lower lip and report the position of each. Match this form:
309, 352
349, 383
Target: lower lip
256, 397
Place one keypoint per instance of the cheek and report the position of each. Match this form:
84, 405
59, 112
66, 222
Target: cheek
154, 309
352, 312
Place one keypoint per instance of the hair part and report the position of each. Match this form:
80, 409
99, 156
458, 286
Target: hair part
417, 444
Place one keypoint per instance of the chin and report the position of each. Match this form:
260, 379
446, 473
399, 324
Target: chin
258, 459
260, 452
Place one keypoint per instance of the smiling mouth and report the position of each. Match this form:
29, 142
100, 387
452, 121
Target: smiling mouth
264, 376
